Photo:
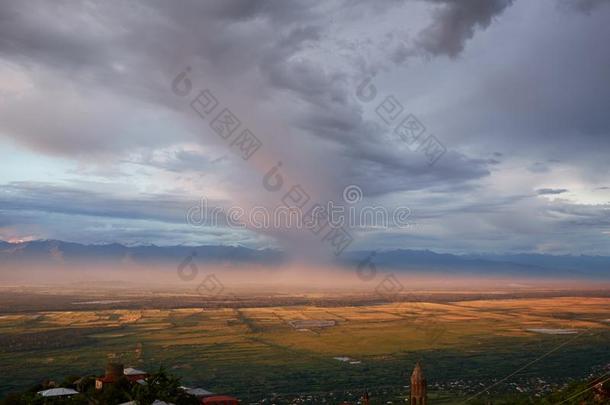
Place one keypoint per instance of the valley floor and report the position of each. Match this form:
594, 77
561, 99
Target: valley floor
327, 351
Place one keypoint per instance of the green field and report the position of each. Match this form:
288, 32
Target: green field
253, 352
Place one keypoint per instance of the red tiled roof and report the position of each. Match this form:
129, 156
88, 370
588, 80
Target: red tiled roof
220, 400
136, 377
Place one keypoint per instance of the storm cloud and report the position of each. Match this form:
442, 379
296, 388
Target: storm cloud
455, 22
97, 145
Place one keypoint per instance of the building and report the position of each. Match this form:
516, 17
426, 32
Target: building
219, 400
419, 387
114, 371
209, 398
135, 375
197, 392
57, 392
365, 398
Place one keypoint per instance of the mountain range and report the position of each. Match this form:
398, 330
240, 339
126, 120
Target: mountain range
525, 264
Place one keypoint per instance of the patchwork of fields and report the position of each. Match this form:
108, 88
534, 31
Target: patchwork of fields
254, 351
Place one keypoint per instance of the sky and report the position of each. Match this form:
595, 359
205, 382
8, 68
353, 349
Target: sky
102, 140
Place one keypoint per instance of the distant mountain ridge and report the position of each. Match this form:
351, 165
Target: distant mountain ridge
115, 252
534, 265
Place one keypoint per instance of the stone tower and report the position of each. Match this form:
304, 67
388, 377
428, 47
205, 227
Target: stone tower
365, 398
419, 388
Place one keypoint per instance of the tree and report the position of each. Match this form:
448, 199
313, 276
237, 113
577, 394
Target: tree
162, 386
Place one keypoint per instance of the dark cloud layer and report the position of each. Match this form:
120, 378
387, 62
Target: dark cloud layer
455, 22
551, 191
516, 91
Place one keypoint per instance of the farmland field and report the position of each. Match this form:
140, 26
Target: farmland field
253, 351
